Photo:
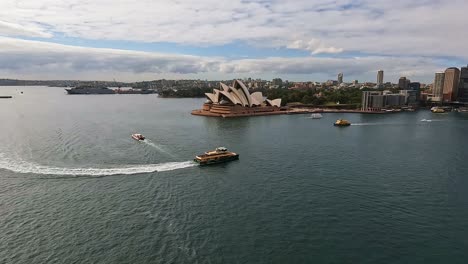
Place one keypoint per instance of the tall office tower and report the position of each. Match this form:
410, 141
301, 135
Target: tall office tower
451, 82
402, 83
380, 78
340, 78
463, 88
438, 87
415, 87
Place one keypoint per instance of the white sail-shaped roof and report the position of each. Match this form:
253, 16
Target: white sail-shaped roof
276, 102
239, 94
236, 98
231, 97
211, 97
244, 90
225, 87
257, 98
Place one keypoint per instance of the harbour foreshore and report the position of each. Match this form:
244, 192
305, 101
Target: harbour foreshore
289, 111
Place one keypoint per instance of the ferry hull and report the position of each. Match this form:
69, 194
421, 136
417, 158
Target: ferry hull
217, 161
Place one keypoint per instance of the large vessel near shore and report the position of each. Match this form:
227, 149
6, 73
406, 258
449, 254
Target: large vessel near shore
342, 122
219, 155
134, 91
89, 89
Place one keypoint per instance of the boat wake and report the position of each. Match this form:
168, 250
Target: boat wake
431, 120
366, 124
24, 167
150, 143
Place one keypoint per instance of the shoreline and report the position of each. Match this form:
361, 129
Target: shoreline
201, 112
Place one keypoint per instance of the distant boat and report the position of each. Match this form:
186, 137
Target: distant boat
342, 122
436, 109
138, 137
316, 116
89, 89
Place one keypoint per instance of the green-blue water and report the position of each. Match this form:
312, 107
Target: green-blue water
75, 188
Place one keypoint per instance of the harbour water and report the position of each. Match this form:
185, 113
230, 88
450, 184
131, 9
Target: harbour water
75, 188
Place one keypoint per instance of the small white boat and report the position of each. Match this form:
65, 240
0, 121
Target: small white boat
138, 137
316, 116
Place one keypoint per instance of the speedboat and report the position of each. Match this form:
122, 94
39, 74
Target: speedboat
138, 137
342, 122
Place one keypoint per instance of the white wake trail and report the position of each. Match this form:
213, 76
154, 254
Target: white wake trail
150, 143
20, 166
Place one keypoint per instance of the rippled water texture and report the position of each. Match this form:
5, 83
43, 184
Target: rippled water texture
75, 188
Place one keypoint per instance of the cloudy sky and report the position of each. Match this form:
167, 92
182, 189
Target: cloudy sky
298, 40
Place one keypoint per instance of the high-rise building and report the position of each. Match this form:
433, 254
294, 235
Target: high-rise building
463, 88
277, 82
438, 87
340, 78
380, 78
416, 88
403, 83
451, 82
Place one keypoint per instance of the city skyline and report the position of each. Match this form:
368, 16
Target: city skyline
303, 41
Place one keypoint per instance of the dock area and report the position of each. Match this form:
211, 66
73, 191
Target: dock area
289, 111
330, 110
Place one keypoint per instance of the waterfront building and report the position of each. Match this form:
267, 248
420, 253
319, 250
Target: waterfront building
438, 87
236, 100
416, 87
355, 83
277, 82
410, 96
451, 82
372, 101
380, 76
394, 100
377, 100
463, 87
340, 78
402, 83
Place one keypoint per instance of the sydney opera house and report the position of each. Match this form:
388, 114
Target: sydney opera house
236, 100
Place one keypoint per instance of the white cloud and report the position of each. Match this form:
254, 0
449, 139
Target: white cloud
418, 27
11, 29
315, 46
42, 60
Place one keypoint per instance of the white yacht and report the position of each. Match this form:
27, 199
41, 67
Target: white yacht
316, 116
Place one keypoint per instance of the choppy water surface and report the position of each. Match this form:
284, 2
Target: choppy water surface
75, 188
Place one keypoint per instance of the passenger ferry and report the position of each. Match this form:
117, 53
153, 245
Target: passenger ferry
219, 155
436, 109
342, 122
